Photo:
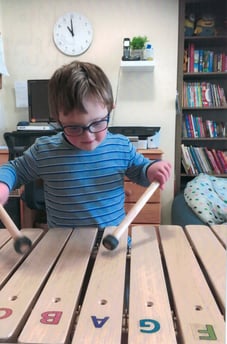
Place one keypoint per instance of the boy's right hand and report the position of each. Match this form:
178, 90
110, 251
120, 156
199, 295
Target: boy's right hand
4, 193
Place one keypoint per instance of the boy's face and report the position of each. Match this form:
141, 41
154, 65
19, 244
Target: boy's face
86, 140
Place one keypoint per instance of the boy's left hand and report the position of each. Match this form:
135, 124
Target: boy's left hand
160, 172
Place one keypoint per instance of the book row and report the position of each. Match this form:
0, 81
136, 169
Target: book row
204, 60
197, 160
203, 94
195, 126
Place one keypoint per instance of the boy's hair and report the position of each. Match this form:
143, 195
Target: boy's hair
71, 84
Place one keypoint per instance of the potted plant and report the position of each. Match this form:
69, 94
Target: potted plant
137, 45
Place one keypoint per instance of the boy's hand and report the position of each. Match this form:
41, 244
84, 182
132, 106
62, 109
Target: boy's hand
159, 171
4, 193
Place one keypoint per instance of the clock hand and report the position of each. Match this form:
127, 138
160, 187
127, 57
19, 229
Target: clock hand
71, 29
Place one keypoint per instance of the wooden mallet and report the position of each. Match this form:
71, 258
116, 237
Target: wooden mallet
111, 241
22, 244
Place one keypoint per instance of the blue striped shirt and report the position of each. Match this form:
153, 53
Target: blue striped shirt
82, 188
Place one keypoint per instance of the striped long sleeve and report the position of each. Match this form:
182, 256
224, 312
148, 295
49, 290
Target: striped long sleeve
82, 188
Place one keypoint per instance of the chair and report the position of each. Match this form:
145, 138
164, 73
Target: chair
17, 143
182, 214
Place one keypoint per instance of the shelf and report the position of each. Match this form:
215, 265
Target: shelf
209, 108
201, 153
204, 139
203, 75
204, 38
208, 39
138, 66
210, 174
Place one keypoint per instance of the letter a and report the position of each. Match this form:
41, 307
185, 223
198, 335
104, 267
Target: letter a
98, 323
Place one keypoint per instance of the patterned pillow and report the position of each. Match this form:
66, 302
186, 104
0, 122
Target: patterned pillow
207, 197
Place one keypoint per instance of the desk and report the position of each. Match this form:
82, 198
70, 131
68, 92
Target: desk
4, 153
176, 293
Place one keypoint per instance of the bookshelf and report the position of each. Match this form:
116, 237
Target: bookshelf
201, 117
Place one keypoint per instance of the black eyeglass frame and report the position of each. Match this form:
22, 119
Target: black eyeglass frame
88, 127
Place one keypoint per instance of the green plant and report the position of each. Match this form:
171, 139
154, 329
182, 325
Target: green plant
138, 42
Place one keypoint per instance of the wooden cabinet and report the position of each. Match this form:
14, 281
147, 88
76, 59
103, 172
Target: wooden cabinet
3, 156
151, 212
201, 122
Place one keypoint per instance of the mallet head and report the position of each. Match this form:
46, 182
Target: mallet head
110, 242
22, 245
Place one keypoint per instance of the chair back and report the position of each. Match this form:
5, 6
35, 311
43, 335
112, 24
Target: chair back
17, 143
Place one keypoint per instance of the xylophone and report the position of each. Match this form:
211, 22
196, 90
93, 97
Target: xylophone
169, 287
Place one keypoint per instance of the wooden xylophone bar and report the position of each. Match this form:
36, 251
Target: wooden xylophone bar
174, 291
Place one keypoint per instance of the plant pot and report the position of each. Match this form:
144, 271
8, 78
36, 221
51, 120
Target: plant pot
135, 53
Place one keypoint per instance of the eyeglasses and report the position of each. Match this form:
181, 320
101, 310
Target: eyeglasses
94, 127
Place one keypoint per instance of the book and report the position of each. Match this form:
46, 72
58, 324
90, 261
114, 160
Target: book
205, 94
215, 63
212, 95
221, 94
223, 62
222, 160
191, 55
215, 132
201, 125
201, 57
193, 166
205, 160
192, 126
186, 160
210, 61
185, 94
200, 159
213, 151
188, 127
197, 125
212, 161
219, 65
191, 93
196, 61
195, 160
184, 129
208, 128
199, 95
206, 61
216, 99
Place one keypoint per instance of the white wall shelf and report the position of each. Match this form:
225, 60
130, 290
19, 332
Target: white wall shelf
138, 66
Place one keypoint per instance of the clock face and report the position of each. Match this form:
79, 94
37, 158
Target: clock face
73, 34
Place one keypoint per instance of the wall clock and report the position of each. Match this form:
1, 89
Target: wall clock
73, 34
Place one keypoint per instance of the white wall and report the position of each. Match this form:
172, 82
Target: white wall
143, 98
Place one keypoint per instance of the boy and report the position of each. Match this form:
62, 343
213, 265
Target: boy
83, 167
